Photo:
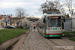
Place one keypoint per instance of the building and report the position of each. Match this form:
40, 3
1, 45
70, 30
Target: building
3, 20
73, 22
15, 21
69, 24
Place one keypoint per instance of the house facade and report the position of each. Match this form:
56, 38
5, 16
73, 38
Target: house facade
3, 20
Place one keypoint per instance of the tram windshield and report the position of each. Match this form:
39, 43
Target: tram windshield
54, 21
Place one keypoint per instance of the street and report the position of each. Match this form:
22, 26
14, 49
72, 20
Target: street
36, 41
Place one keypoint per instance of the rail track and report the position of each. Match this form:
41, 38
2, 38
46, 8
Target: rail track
58, 43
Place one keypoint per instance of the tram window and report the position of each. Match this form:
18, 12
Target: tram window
54, 21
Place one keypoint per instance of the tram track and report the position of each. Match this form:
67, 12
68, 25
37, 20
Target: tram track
61, 43
50, 43
49, 46
45, 41
54, 44
57, 44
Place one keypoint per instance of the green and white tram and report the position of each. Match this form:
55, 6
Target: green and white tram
50, 25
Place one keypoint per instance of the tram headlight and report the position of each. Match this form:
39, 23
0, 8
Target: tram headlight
50, 28
59, 28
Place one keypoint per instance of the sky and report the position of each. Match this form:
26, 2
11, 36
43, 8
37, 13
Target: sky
31, 6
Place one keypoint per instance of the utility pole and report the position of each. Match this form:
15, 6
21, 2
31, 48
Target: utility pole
71, 7
10, 19
70, 2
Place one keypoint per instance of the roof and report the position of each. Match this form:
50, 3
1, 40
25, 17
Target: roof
1, 18
16, 18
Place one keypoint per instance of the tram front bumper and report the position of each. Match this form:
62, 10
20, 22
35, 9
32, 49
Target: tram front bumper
53, 35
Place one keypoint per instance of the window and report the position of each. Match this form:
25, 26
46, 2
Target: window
54, 21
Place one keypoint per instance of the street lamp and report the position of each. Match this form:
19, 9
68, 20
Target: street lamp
10, 18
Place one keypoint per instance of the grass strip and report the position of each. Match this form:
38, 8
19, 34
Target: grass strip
70, 35
6, 34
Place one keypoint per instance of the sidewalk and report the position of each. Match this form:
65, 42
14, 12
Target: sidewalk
34, 41
1, 28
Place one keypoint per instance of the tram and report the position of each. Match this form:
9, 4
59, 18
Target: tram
50, 25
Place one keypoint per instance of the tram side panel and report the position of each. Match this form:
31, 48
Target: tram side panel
40, 26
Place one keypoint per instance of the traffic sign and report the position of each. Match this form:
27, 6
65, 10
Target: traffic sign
6, 19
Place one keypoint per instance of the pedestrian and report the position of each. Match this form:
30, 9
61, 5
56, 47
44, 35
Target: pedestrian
34, 28
31, 28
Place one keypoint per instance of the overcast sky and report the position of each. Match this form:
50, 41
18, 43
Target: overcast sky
31, 6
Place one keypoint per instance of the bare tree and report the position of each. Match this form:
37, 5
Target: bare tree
20, 12
50, 6
44, 6
57, 5
69, 5
47, 5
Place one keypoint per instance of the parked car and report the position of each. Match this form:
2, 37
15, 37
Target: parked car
9, 27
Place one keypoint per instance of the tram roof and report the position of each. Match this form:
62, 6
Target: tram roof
54, 15
55, 12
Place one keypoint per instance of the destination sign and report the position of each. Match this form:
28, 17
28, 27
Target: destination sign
53, 17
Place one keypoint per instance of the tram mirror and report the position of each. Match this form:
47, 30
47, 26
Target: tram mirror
64, 19
44, 20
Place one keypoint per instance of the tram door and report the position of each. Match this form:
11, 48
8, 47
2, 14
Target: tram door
44, 25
